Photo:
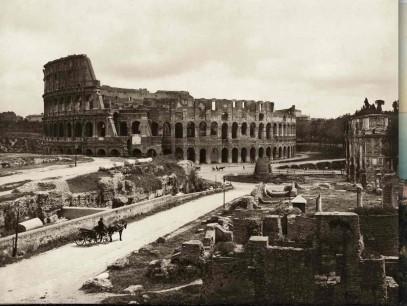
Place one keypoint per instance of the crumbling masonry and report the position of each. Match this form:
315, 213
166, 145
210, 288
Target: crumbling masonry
82, 116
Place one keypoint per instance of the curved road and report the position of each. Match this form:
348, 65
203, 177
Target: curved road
55, 276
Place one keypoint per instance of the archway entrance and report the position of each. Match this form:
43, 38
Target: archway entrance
243, 155
202, 156
235, 155
225, 155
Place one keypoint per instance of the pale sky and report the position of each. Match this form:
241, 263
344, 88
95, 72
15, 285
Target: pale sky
323, 56
403, 56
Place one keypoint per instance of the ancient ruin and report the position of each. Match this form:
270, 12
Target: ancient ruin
83, 116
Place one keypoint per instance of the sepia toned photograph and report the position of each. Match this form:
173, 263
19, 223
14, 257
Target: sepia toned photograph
203, 152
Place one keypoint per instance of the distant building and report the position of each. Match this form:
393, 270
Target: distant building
367, 144
301, 117
34, 118
8, 117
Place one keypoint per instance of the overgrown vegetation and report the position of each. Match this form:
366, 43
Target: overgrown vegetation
375, 211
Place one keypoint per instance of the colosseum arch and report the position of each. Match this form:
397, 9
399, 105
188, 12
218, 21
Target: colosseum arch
78, 129
252, 155
261, 130
167, 151
123, 128
202, 156
191, 154
284, 152
244, 129
214, 128
234, 130
225, 155
252, 129
136, 153
61, 129
154, 128
235, 155
135, 127
166, 129
261, 152
268, 152
268, 131
191, 129
88, 129
202, 128
101, 152
243, 155
179, 154
280, 130
89, 152
214, 155
101, 129
151, 153
275, 129
179, 130
280, 152
114, 152
225, 129
55, 130
68, 130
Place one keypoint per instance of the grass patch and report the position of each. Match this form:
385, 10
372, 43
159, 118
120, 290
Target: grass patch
87, 182
11, 186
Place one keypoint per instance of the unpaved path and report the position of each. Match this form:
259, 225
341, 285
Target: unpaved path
57, 275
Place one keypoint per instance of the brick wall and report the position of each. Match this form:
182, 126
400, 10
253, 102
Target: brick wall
380, 233
300, 228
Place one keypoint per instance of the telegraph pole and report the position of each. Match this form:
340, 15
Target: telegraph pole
16, 238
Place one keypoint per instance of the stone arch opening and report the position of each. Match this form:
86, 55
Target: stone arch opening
101, 129
268, 131
234, 130
224, 131
261, 130
202, 156
115, 153
280, 130
252, 155
154, 128
89, 152
88, 129
61, 130
243, 155
214, 155
214, 129
284, 152
179, 131
275, 129
167, 129
268, 152
136, 153
235, 155
151, 153
261, 152
191, 154
202, 128
101, 152
78, 129
68, 151
123, 128
55, 130
135, 127
190, 129
252, 129
280, 152
179, 154
167, 151
244, 129
225, 155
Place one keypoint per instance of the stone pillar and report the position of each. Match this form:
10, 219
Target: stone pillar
239, 156
359, 202
318, 203
229, 156
208, 129
208, 156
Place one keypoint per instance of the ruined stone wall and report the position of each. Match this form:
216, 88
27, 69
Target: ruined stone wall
300, 228
31, 240
380, 234
373, 281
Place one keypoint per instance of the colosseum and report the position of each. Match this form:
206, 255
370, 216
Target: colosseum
82, 116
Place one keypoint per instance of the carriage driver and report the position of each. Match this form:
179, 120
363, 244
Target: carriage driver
101, 228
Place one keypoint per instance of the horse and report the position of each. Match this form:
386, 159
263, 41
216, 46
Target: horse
116, 227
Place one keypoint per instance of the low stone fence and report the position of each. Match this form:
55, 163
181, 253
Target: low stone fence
31, 240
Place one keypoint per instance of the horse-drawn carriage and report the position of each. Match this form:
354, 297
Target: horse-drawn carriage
95, 235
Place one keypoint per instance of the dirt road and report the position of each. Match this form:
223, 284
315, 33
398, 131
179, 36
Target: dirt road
56, 276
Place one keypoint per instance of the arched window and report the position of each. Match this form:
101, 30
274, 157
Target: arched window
135, 127
191, 129
214, 128
78, 129
252, 129
88, 129
234, 129
244, 128
179, 130
166, 129
154, 128
202, 128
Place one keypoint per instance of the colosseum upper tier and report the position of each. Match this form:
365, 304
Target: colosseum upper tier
84, 117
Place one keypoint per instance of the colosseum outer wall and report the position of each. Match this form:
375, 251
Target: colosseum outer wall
82, 116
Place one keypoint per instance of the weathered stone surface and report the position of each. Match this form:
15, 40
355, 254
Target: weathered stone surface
119, 264
134, 289
98, 283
